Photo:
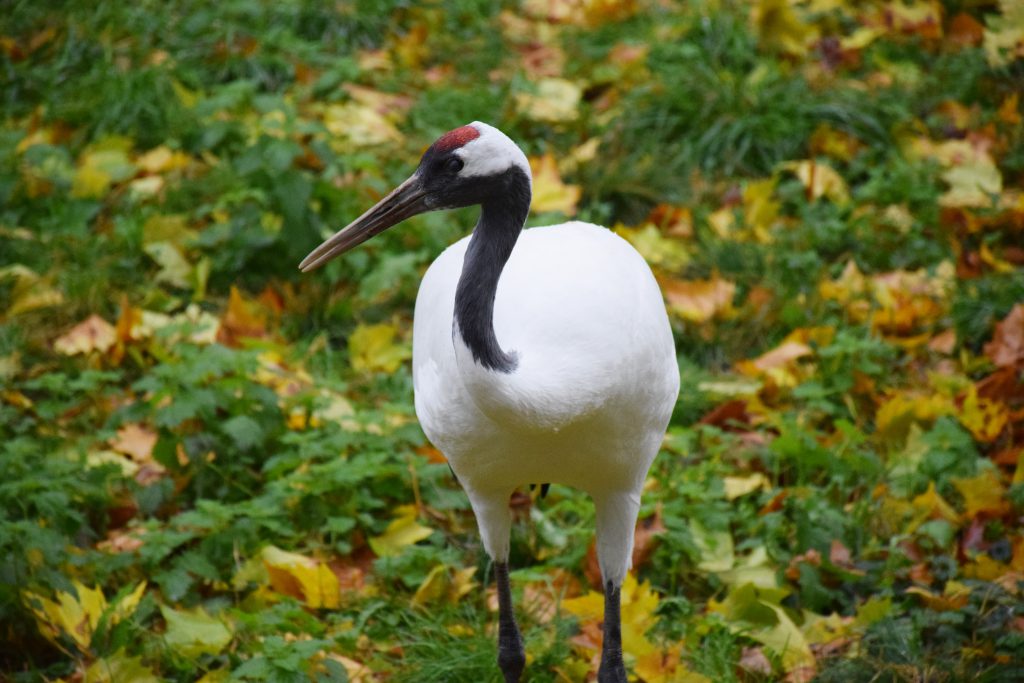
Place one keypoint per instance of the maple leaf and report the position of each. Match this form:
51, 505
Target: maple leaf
699, 300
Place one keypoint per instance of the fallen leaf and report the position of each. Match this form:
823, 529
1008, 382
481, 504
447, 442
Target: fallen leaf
242, 319
92, 334
549, 192
699, 300
664, 253
736, 487
301, 577
1007, 345
820, 180
136, 440
117, 668
779, 29
30, 291
78, 615
372, 348
983, 494
555, 100
403, 531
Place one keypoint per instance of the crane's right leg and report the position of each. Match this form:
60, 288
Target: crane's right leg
495, 522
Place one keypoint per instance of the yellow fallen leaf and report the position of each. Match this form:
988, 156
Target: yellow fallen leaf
983, 493
77, 616
556, 100
930, 505
444, 584
779, 29
549, 192
404, 530
162, 159
638, 605
716, 548
973, 184
92, 334
360, 125
301, 577
669, 255
820, 179
1004, 34
985, 418
736, 487
699, 300
118, 668
760, 208
30, 291
101, 164
373, 348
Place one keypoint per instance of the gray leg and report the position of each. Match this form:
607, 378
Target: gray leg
612, 668
511, 656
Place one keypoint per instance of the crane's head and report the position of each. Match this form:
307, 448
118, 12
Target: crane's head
469, 165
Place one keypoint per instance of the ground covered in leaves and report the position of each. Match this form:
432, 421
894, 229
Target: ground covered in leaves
210, 468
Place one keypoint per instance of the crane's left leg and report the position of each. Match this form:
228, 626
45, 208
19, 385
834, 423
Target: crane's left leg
616, 523
495, 521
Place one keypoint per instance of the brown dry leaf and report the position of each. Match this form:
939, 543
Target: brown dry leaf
549, 192
673, 221
92, 334
1007, 346
965, 30
136, 440
699, 300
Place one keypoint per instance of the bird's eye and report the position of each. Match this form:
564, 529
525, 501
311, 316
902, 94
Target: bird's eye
453, 164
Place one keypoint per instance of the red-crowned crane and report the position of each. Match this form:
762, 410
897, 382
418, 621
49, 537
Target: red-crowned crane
540, 355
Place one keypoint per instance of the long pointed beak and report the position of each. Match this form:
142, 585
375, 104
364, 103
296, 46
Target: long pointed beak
408, 199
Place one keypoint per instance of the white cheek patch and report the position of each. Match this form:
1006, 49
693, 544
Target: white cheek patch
491, 153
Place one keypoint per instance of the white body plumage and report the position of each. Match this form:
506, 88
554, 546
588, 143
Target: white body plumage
589, 401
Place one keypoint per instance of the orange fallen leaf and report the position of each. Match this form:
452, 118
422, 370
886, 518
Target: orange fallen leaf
699, 300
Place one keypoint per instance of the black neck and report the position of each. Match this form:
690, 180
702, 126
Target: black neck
502, 215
